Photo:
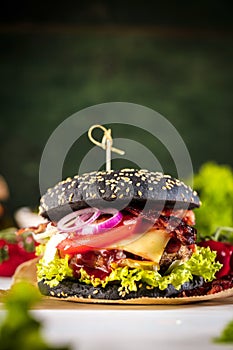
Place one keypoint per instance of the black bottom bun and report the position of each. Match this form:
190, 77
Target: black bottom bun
72, 288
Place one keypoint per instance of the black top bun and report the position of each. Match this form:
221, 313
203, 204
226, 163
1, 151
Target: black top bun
120, 187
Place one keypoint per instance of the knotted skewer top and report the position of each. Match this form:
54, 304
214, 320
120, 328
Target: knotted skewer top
106, 143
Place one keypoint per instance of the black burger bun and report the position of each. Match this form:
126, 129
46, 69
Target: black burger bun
73, 288
116, 188
73, 291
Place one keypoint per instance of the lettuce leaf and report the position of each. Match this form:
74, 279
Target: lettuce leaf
214, 183
226, 335
55, 271
202, 263
40, 249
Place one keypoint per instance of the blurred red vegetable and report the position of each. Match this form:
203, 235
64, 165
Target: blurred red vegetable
14, 250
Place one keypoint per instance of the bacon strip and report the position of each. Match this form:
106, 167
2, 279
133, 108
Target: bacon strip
35, 229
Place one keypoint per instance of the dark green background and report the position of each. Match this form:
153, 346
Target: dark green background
51, 67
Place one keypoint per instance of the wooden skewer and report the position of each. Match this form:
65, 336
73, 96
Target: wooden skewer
106, 143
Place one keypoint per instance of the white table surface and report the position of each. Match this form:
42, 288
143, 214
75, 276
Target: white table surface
5, 282
152, 327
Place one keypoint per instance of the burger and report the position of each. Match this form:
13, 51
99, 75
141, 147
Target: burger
122, 236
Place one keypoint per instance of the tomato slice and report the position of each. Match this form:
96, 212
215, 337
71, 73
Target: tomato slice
81, 243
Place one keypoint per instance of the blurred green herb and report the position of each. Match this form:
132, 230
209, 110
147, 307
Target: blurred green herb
214, 184
223, 234
19, 330
8, 234
25, 240
226, 335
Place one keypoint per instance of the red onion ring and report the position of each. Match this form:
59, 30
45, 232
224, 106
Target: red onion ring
105, 225
78, 219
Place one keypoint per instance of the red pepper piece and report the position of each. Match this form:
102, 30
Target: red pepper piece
12, 254
224, 255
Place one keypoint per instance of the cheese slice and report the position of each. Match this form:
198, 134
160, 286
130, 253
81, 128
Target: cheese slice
149, 246
141, 264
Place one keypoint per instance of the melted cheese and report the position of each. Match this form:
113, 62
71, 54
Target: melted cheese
145, 265
149, 246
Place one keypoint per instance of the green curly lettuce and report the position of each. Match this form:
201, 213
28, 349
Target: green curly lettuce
202, 263
40, 249
54, 271
214, 184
